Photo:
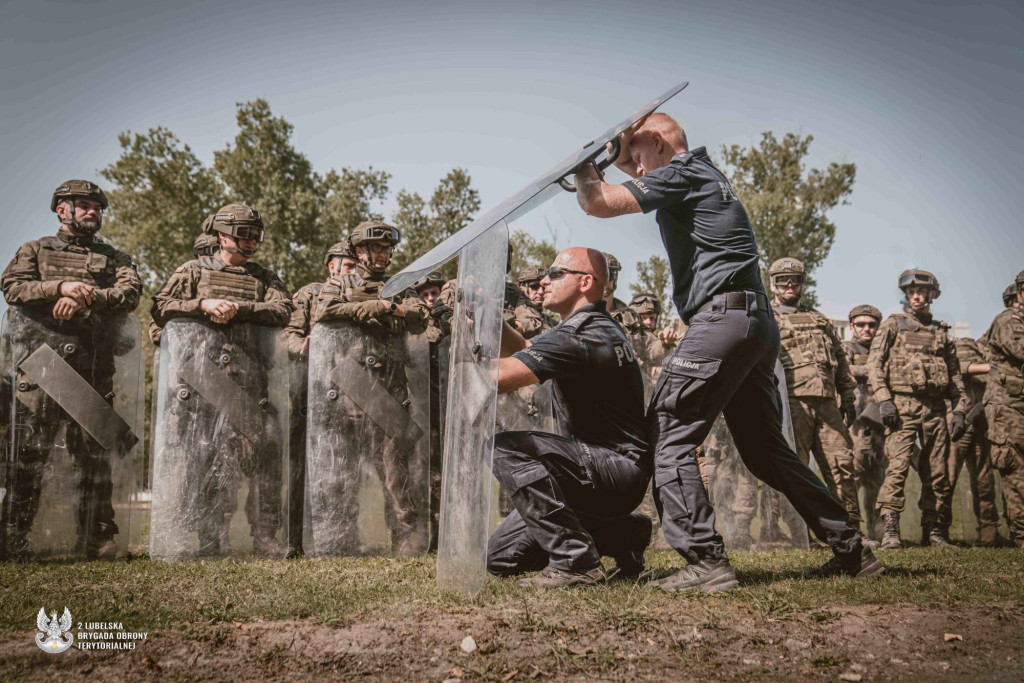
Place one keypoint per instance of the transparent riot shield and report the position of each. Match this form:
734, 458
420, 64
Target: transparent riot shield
368, 440
220, 439
530, 409
72, 393
470, 420
749, 514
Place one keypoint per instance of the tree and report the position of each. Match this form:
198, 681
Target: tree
530, 251
788, 204
655, 277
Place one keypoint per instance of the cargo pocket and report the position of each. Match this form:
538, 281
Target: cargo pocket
541, 500
669, 485
685, 384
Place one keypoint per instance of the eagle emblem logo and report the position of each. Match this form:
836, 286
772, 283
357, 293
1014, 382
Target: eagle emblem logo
55, 634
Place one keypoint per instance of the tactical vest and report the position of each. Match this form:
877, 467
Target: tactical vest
60, 260
378, 349
1005, 384
229, 284
808, 353
857, 353
917, 363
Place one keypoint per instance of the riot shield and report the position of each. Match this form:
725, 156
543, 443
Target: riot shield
73, 400
368, 440
470, 419
749, 514
529, 409
220, 437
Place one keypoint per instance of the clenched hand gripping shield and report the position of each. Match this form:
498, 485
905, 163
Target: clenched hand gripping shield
220, 439
367, 449
469, 423
72, 395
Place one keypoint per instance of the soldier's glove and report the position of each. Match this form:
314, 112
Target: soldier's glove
890, 415
849, 413
957, 426
442, 312
373, 309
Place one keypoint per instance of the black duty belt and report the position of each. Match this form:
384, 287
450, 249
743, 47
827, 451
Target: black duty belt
748, 301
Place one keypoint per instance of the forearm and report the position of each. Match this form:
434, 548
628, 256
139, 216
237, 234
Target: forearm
601, 200
511, 341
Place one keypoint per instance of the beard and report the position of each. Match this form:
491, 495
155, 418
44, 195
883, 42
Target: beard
90, 225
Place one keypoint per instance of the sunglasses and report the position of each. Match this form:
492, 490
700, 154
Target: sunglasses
864, 324
534, 286
556, 273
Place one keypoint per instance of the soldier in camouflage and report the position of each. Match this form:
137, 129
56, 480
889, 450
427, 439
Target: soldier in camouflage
430, 291
972, 449
1010, 297
204, 245
338, 260
384, 324
529, 284
867, 432
74, 285
912, 370
1004, 408
229, 289
651, 348
816, 371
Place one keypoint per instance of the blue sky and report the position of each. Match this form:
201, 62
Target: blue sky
924, 97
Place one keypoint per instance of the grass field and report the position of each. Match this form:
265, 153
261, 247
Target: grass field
384, 618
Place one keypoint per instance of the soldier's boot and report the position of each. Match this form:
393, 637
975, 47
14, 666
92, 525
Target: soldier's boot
990, 536
741, 538
931, 534
100, 545
265, 544
707, 576
858, 566
891, 533
550, 577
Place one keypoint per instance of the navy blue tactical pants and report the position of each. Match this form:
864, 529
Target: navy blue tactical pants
573, 503
726, 363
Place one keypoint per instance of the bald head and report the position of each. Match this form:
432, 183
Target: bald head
583, 281
586, 260
668, 129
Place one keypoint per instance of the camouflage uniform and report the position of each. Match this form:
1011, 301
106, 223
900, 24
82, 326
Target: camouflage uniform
1004, 410
973, 450
204, 245
357, 298
262, 300
816, 370
31, 283
868, 437
913, 363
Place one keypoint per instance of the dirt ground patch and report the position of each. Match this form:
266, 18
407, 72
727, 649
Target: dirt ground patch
699, 640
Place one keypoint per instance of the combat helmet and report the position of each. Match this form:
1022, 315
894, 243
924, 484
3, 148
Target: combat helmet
205, 245
433, 278
238, 220
920, 278
646, 304
1019, 280
787, 266
339, 249
531, 274
79, 188
1010, 295
614, 267
865, 309
373, 231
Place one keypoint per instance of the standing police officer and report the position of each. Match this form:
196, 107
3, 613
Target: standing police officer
912, 370
67, 291
726, 360
1004, 408
816, 370
574, 492
867, 431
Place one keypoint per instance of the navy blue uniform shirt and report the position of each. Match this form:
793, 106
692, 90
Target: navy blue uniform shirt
599, 392
704, 228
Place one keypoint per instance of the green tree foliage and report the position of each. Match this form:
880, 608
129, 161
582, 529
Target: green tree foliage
654, 276
530, 251
451, 208
789, 204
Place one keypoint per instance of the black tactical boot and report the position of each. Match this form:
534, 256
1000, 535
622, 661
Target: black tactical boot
859, 566
932, 534
891, 535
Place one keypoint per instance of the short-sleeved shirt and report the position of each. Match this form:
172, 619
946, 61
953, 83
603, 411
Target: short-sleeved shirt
599, 392
704, 227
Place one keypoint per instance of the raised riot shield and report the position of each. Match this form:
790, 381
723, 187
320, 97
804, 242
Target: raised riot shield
470, 419
749, 514
368, 440
220, 437
72, 394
